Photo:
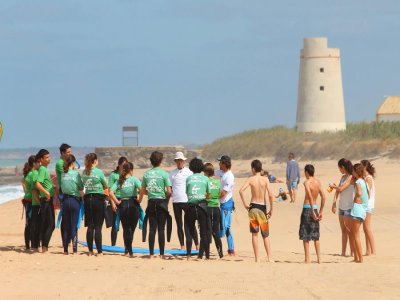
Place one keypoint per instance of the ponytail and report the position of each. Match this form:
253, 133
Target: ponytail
126, 169
369, 167
89, 161
121, 161
346, 164
68, 162
29, 165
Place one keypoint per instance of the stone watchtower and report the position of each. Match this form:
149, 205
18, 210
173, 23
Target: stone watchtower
320, 104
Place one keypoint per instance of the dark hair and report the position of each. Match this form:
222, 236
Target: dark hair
41, 153
156, 158
359, 170
346, 164
310, 170
64, 147
369, 167
196, 165
121, 161
256, 165
68, 162
29, 165
209, 169
291, 154
126, 169
226, 163
89, 160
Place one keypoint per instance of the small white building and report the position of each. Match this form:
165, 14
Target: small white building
389, 111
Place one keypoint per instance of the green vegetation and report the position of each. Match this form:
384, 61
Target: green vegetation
360, 140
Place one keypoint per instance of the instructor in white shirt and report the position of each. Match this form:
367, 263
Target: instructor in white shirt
179, 197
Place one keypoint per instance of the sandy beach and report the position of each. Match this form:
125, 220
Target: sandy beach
53, 275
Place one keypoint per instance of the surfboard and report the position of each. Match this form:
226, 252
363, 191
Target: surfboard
117, 249
1, 131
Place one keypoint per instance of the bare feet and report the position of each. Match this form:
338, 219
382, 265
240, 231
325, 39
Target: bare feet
152, 257
100, 254
90, 253
307, 261
131, 255
44, 249
65, 253
188, 257
162, 256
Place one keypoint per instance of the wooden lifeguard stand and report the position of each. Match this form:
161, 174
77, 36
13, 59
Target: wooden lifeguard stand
130, 136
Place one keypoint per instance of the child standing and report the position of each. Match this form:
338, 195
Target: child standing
258, 214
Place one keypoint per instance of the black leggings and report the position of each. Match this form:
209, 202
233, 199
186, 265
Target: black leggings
94, 219
178, 209
130, 213
48, 220
193, 213
214, 219
35, 226
28, 224
157, 220
69, 221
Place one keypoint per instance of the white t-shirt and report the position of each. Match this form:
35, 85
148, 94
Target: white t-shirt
227, 183
371, 200
178, 181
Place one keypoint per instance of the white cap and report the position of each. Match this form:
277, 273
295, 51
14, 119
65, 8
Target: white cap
179, 155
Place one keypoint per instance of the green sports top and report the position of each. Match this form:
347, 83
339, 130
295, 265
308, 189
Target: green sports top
59, 170
45, 180
32, 187
114, 177
197, 188
95, 182
28, 186
128, 189
155, 181
214, 187
71, 183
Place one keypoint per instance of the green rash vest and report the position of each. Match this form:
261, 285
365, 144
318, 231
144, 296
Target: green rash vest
129, 188
33, 186
214, 187
45, 180
59, 170
114, 177
197, 188
71, 183
28, 186
155, 181
95, 182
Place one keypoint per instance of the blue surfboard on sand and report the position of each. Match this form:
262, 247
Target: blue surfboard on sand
116, 249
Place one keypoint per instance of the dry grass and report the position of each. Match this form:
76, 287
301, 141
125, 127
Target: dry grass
360, 140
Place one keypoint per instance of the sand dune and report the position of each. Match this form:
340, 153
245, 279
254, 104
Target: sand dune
54, 275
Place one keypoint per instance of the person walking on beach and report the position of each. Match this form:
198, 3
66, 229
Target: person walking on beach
94, 200
292, 177
179, 198
27, 200
345, 193
71, 185
114, 177
359, 210
129, 208
369, 176
226, 199
213, 210
258, 215
310, 217
197, 189
157, 186
46, 192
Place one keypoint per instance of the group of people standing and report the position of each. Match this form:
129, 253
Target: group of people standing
199, 192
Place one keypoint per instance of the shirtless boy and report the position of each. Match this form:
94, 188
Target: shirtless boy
309, 221
260, 188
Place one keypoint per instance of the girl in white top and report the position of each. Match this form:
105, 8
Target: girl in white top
345, 193
369, 178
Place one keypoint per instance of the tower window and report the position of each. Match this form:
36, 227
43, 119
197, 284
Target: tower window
321, 70
322, 88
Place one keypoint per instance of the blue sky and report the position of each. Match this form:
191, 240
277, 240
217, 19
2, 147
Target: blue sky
183, 71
